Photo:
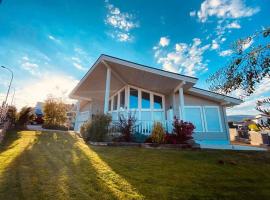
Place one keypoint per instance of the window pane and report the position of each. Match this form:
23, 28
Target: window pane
114, 116
133, 98
110, 103
158, 116
145, 100
212, 119
193, 115
122, 99
157, 102
146, 115
115, 100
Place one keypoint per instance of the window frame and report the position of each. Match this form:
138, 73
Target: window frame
201, 115
219, 119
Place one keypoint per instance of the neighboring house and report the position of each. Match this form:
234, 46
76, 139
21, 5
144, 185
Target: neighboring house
261, 119
115, 86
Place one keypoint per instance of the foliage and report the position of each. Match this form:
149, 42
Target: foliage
182, 130
126, 126
96, 130
25, 116
11, 114
171, 138
263, 106
138, 137
158, 133
54, 112
253, 127
247, 67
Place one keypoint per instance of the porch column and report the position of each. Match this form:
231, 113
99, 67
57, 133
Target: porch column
107, 90
181, 104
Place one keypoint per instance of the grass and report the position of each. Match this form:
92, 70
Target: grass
52, 165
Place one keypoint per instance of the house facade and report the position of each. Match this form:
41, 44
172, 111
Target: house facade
115, 86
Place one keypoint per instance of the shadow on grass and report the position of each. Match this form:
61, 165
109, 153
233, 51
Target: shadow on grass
52, 166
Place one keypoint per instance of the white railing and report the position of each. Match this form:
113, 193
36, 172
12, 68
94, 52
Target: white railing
81, 118
145, 127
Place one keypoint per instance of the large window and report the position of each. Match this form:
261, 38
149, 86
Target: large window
157, 102
145, 100
122, 99
133, 98
194, 115
115, 101
212, 119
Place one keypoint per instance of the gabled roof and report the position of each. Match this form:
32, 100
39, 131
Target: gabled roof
132, 65
230, 101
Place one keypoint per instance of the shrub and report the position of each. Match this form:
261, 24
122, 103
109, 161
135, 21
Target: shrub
170, 139
158, 133
182, 130
97, 129
25, 116
253, 127
126, 126
54, 113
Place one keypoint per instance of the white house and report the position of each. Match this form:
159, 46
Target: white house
114, 86
261, 119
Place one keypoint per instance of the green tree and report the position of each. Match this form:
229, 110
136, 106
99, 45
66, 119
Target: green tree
247, 67
54, 112
25, 116
263, 106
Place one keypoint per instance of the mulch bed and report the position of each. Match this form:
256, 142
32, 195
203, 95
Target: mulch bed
146, 145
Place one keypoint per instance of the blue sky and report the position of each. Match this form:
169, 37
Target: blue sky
51, 44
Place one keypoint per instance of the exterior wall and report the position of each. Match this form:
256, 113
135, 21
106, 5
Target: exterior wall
233, 133
191, 100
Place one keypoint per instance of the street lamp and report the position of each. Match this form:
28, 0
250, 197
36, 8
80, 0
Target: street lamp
9, 83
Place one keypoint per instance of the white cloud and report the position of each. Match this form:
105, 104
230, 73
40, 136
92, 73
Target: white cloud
246, 44
184, 58
79, 67
192, 13
234, 25
164, 41
54, 39
76, 59
30, 66
123, 37
226, 53
225, 9
214, 45
122, 22
29, 93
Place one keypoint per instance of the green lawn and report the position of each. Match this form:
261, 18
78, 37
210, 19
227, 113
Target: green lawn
47, 165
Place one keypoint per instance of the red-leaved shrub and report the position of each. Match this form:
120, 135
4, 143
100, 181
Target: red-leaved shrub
182, 130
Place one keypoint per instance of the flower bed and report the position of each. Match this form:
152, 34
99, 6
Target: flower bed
147, 145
